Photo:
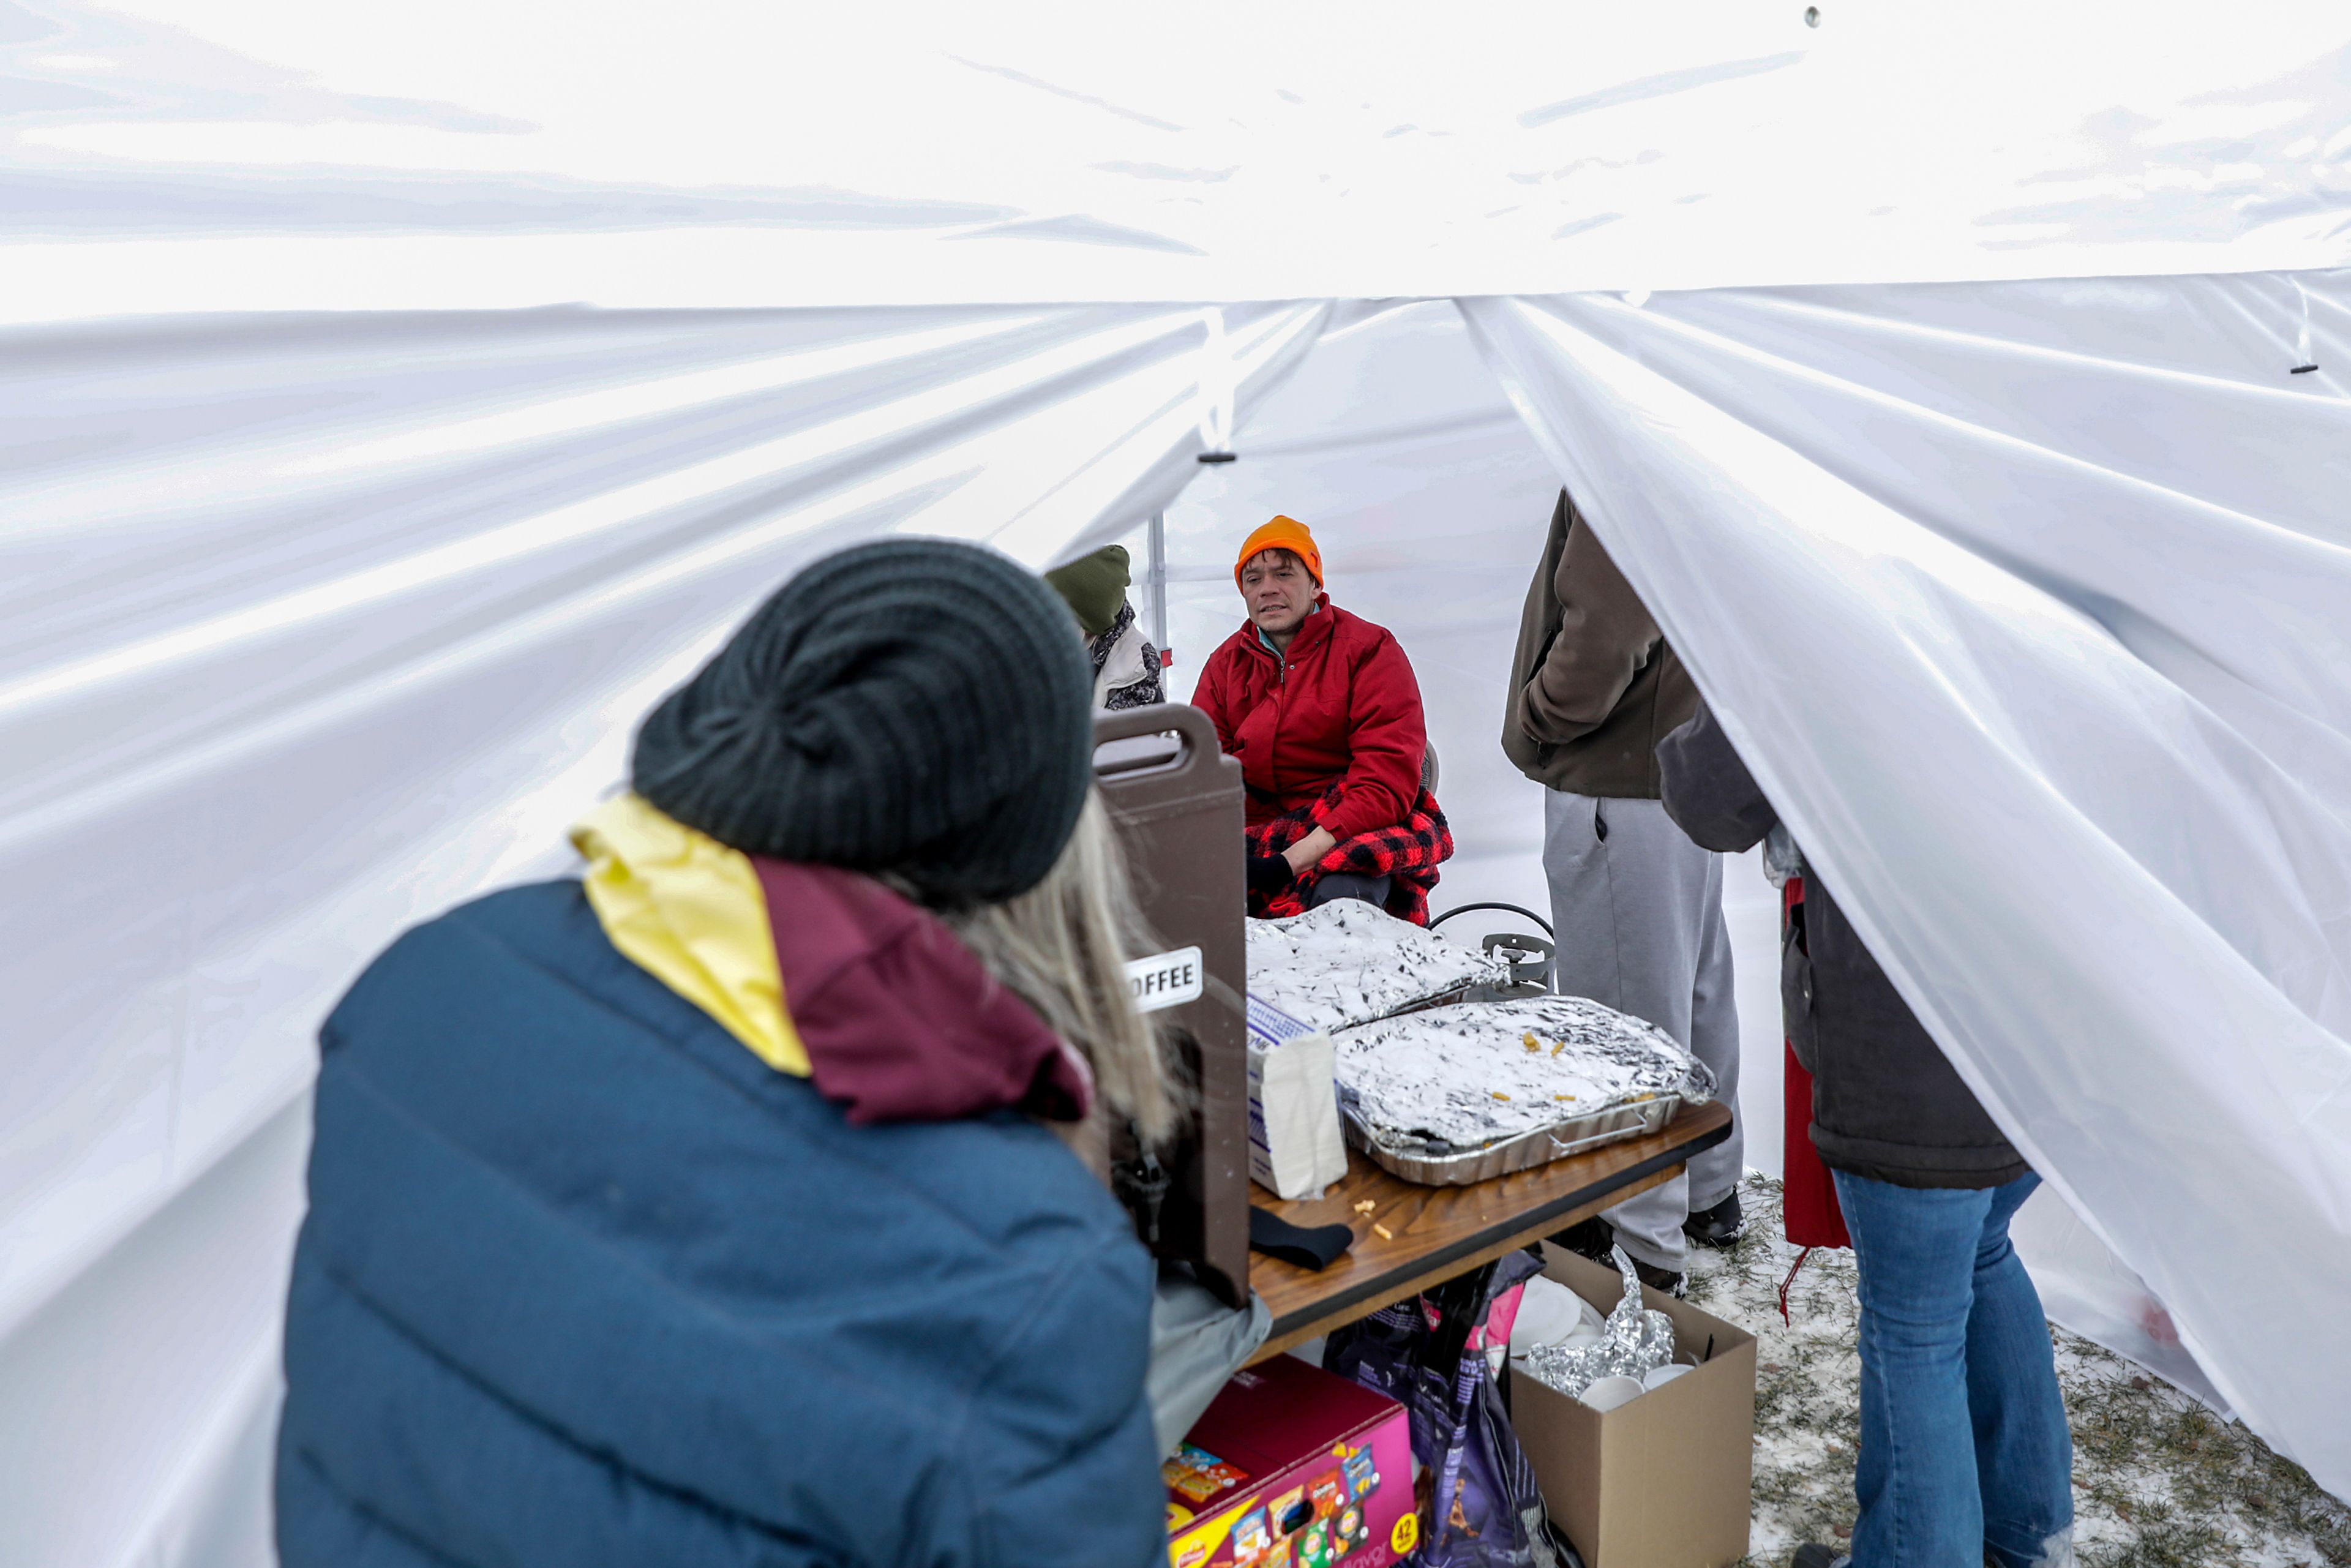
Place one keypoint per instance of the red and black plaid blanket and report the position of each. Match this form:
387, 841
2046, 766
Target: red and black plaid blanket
1407, 854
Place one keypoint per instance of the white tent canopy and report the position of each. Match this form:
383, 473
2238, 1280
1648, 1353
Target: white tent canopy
177, 155
397, 405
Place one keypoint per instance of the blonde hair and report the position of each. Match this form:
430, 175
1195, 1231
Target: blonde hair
1063, 948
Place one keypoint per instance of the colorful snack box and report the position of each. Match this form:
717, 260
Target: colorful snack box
1293, 1468
1198, 1476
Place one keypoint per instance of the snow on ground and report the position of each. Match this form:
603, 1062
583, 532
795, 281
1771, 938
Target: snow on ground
2158, 1481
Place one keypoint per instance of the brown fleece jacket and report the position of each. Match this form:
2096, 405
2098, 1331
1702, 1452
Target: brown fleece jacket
1593, 684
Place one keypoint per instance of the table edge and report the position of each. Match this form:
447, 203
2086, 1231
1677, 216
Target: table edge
1372, 1289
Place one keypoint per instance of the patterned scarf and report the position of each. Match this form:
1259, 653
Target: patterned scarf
1142, 692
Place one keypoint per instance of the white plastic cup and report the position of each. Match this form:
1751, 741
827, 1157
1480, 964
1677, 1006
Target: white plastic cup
1607, 1393
1658, 1376
1551, 1314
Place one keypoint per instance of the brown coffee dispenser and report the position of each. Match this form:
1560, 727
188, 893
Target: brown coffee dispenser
1175, 803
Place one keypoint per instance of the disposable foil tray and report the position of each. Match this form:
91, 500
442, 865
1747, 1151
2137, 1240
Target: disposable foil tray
1457, 1094
1348, 963
1415, 1161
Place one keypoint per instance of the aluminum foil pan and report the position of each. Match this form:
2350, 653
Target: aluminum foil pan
1349, 962
1449, 1095
1439, 1166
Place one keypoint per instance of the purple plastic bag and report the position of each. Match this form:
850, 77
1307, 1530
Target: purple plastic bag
1479, 1507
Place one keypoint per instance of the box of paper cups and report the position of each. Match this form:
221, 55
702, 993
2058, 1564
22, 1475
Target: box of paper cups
1296, 1149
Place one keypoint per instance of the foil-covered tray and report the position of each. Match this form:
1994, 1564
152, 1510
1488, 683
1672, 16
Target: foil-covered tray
1455, 1094
1416, 1161
1348, 963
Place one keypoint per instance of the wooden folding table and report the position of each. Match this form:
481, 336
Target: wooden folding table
1436, 1232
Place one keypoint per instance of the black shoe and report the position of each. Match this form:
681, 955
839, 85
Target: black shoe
1594, 1238
1814, 1555
1665, 1281
1717, 1226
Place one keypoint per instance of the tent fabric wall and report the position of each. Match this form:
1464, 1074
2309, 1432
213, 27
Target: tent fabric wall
398, 401
353, 651
2032, 621
312, 627
281, 592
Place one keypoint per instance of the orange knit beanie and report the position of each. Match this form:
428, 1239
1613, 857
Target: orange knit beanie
1282, 533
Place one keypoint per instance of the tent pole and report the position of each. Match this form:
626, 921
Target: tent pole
1154, 582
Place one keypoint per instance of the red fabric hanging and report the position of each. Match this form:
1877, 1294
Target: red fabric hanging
1809, 1197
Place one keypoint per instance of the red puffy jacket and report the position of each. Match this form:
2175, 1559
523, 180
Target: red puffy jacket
1342, 703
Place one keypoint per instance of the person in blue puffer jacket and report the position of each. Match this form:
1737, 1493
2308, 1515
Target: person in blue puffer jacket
725, 1206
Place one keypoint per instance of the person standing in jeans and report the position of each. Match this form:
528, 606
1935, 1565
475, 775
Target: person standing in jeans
1964, 1447
1636, 907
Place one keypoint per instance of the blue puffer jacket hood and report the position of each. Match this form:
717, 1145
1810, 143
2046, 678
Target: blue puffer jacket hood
585, 1282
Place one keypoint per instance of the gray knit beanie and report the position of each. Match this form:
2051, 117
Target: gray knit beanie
912, 705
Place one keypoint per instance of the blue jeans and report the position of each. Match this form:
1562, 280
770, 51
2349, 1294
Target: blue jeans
1964, 1447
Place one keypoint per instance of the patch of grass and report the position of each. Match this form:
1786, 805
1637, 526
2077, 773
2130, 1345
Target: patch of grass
2183, 1485
2159, 1482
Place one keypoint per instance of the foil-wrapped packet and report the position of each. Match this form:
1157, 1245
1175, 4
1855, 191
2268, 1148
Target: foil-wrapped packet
1635, 1341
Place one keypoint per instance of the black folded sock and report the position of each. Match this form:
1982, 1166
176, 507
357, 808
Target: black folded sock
1316, 1248
1269, 874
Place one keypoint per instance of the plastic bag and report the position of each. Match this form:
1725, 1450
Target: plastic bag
1478, 1504
1197, 1342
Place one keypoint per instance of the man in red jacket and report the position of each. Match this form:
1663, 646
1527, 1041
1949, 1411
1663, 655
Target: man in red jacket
1322, 710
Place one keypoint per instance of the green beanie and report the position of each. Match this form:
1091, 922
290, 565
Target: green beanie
1095, 586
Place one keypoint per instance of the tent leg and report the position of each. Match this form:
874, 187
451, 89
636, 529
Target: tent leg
1154, 582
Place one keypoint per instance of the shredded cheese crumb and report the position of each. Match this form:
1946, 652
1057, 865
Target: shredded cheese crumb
1533, 1044
1366, 1206
1383, 1232
1498, 1094
1562, 1096
1559, 1046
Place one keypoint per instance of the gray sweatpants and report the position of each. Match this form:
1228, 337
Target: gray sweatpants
1638, 909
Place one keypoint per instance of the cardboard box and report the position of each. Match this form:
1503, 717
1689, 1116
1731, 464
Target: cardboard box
1662, 1481
1293, 1468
